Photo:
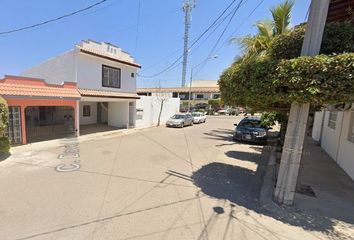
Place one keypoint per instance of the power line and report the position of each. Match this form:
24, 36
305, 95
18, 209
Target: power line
222, 34
238, 28
194, 42
54, 19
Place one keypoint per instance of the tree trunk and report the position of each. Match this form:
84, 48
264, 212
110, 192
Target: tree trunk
161, 107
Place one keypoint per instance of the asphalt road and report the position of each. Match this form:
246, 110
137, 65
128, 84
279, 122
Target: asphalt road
160, 183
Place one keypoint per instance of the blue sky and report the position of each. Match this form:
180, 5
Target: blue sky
156, 43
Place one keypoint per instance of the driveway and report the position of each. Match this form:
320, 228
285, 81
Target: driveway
161, 183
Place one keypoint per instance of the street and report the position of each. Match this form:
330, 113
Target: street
158, 183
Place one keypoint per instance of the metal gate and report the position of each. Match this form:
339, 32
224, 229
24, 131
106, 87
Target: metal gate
14, 128
45, 123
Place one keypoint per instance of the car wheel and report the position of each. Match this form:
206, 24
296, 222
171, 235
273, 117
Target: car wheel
192, 123
182, 125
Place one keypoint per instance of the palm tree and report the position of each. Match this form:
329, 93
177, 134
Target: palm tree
256, 45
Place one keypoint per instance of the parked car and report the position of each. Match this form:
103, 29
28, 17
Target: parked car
180, 120
250, 129
199, 117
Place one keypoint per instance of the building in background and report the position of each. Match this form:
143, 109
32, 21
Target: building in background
106, 79
201, 92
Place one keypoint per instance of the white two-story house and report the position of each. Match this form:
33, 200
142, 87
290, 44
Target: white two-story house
105, 77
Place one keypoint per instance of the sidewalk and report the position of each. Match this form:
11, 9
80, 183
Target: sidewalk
330, 211
88, 137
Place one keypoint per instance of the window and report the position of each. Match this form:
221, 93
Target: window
182, 96
110, 77
216, 96
87, 110
199, 96
332, 119
175, 95
351, 128
132, 75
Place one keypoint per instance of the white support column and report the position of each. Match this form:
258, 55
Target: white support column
295, 134
77, 118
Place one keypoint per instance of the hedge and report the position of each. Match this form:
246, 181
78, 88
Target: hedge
267, 84
338, 37
4, 142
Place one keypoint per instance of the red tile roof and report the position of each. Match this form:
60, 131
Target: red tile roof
108, 94
180, 90
33, 87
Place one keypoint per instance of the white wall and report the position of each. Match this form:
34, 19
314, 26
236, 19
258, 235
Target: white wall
92, 119
330, 137
335, 141
118, 114
89, 73
317, 126
346, 148
86, 70
56, 70
151, 108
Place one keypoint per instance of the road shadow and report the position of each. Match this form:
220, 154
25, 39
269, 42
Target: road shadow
4, 156
220, 134
244, 156
242, 187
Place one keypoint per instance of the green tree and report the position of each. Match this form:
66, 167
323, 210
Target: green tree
257, 45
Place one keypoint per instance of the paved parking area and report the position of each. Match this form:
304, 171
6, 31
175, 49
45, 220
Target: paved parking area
160, 183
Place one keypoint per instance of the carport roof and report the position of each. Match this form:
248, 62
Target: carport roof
107, 94
17, 86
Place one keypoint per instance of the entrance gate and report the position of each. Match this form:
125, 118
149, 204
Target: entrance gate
45, 123
14, 129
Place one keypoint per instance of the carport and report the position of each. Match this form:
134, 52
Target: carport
39, 111
101, 111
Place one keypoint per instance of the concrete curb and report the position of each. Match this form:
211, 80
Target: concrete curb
266, 193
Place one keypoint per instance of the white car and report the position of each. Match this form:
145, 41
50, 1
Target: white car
199, 117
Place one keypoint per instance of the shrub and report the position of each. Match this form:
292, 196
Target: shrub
338, 37
4, 142
4, 145
271, 85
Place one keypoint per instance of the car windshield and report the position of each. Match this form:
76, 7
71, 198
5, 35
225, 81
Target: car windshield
196, 114
178, 116
253, 124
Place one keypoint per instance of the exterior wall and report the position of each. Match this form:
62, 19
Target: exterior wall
162, 94
56, 70
150, 107
89, 73
330, 137
335, 141
84, 69
92, 119
317, 126
118, 114
23, 103
345, 157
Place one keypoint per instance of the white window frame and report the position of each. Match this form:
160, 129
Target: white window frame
85, 112
332, 119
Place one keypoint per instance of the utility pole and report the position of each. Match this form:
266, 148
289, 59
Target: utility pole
188, 5
293, 145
